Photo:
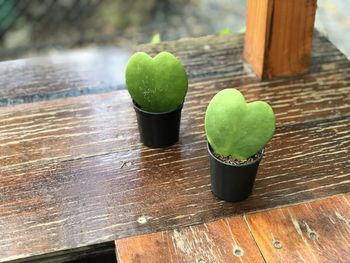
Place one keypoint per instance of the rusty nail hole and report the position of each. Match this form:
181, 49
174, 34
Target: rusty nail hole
313, 235
238, 252
142, 220
277, 244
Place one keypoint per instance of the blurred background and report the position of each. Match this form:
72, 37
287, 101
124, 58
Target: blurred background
36, 27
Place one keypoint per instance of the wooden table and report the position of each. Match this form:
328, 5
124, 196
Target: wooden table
74, 177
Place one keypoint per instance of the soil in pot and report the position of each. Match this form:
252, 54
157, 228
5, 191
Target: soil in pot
233, 161
232, 181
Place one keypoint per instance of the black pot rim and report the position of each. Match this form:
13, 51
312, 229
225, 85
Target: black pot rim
137, 107
210, 150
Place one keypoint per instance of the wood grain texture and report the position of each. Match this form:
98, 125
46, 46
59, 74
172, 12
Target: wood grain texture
317, 231
65, 74
279, 36
73, 173
225, 240
312, 232
100, 70
258, 21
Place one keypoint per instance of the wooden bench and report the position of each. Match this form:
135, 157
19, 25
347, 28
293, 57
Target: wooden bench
316, 231
74, 177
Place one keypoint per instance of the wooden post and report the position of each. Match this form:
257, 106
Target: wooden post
278, 38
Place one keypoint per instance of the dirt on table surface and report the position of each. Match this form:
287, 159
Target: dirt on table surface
233, 161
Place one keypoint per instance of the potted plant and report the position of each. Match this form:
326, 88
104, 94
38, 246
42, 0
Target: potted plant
158, 87
237, 133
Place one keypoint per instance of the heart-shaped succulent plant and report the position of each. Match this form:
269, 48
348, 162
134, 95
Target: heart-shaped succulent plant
236, 128
156, 84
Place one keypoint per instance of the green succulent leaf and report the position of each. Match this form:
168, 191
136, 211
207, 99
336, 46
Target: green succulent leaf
236, 128
156, 84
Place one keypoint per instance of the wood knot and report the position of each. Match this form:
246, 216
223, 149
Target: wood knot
201, 260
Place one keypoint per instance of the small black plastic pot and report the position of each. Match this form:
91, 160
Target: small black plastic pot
232, 182
158, 129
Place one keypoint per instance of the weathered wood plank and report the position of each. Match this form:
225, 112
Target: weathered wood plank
312, 232
317, 231
75, 199
216, 57
66, 74
225, 240
100, 70
104, 252
102, 124
63, 184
